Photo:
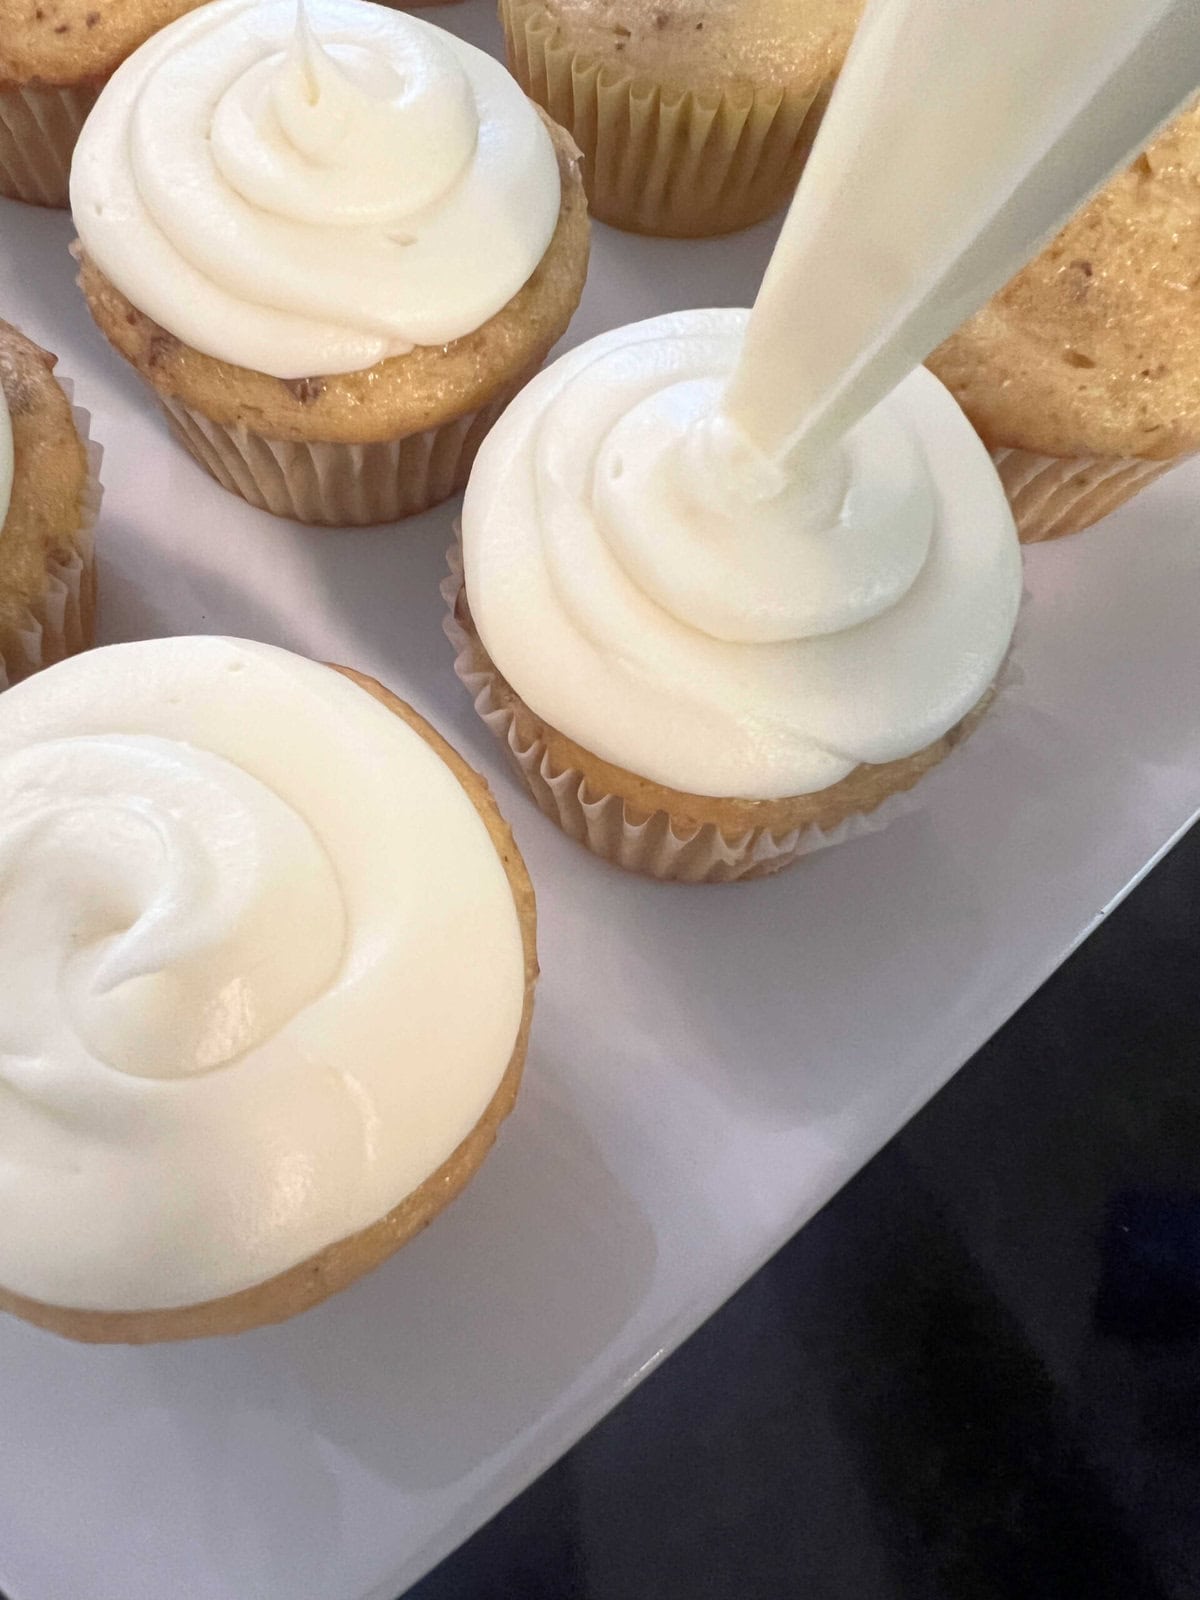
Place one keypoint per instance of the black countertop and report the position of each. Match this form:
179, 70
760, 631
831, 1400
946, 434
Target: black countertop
974, 1376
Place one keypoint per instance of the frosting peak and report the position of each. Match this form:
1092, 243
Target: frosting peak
307, 190
729, 542
345, 134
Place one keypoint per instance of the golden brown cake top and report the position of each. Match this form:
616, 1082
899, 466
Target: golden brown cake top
1094, 348
712, 44
71, 41
49, 475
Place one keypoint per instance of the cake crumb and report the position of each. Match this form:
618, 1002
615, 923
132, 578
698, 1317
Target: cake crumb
306, 390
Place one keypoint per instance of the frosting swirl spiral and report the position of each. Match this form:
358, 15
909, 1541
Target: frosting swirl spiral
306, 192
238, 899
173, 872
703, 618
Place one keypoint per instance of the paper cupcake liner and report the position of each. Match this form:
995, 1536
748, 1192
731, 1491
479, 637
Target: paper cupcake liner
39, 125
652, 845
337, 485
655, 160
1052, 496
62, 621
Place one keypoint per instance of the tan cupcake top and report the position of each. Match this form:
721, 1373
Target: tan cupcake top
1094, 348
72, 41
49, 475
709, 45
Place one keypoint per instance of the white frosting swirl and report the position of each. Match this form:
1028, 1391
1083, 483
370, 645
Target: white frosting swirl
6, 458
307, 192
700, 617
263, 970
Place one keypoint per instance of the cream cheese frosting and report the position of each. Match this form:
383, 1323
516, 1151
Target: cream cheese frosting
310, 188
695, 613
263, 970
6, 458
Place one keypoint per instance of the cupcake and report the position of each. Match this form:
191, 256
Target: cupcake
705, 667
1083, 374
694, 118
55, 56
49, 496
333, 248
269, 951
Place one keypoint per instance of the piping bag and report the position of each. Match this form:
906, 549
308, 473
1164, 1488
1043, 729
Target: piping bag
960, 136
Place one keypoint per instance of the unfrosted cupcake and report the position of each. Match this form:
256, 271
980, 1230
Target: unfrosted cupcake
693, 117
705, 668
269, 961
334, 249
55, 57
49, 496
1083, 374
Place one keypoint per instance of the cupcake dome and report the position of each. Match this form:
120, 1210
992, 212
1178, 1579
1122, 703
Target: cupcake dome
1083, 374
694, 666
48, 502
55, 55
270, 959
694, 117
333, 241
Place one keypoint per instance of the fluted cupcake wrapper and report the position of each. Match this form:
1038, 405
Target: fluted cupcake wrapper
39, 124
656, 160
337, 485
62, 620
653, 846
1052, 496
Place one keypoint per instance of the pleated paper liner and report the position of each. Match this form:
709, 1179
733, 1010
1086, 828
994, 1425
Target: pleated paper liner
1052, 496
62, 621
652, 845
338, 485
39, 124
656, 160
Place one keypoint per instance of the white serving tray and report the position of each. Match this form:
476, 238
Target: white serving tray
708, 1065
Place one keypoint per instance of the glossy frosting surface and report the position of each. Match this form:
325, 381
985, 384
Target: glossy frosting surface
307, 190
263, 970
687, 610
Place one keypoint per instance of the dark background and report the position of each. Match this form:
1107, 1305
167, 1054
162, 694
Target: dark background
974, 1376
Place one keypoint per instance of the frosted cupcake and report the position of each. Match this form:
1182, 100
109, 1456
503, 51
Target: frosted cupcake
705, 667
49, 496
693, 117
55, 56
1083, 374
269, 959
334, 249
